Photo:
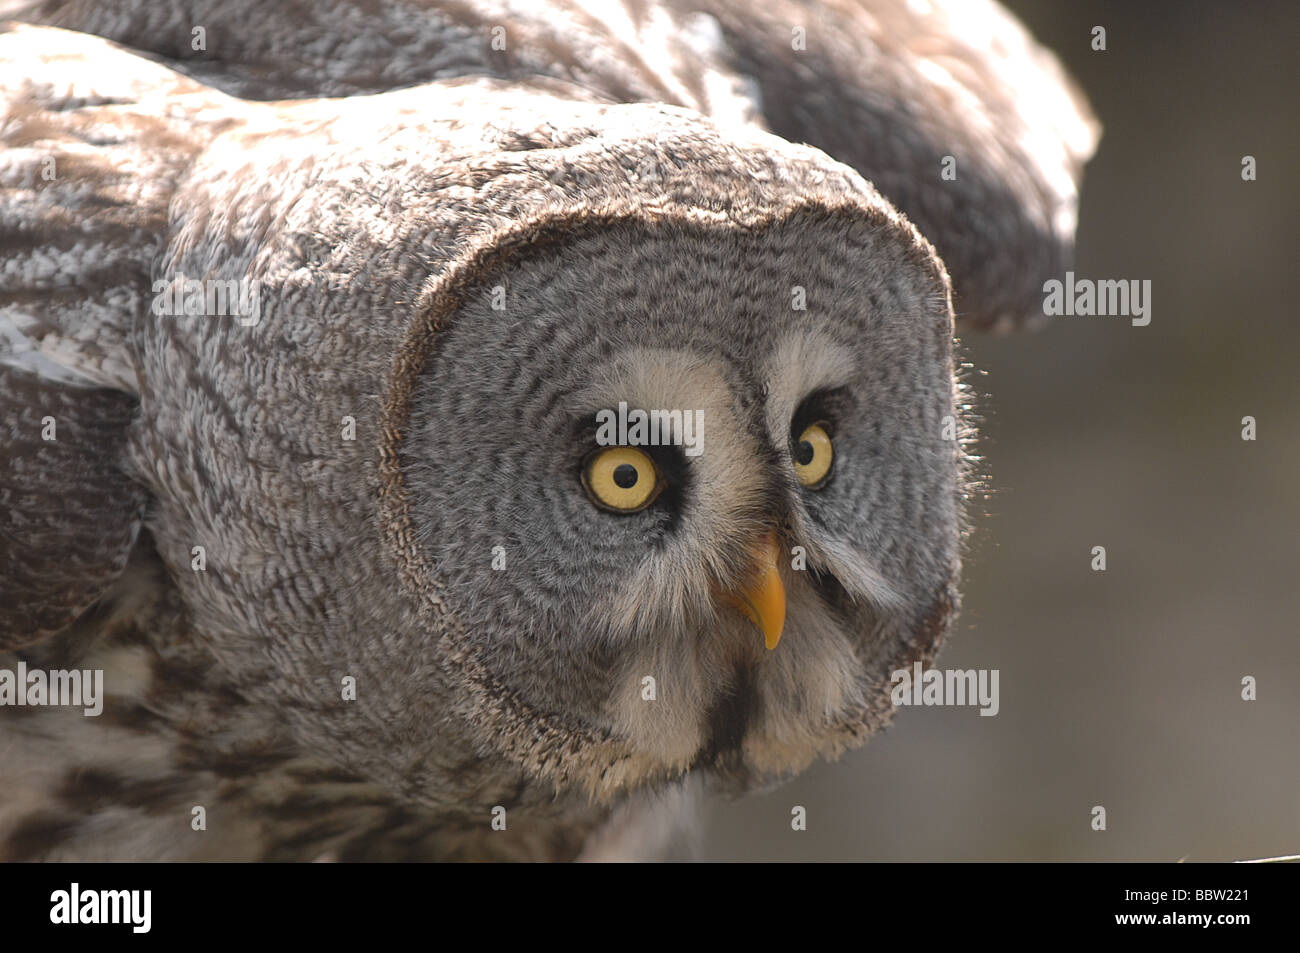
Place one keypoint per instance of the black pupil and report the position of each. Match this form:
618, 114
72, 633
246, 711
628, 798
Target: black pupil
804, 453
625, 476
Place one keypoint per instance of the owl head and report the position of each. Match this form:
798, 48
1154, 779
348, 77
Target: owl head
728, 588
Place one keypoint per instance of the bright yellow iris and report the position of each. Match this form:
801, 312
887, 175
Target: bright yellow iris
813, 455
623, 479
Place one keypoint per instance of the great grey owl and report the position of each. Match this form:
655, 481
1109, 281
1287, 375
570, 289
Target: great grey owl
310, 315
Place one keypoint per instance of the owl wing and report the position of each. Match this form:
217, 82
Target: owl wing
950, 109
68, 514
93, 142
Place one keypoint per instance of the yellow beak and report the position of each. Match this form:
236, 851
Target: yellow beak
763, 601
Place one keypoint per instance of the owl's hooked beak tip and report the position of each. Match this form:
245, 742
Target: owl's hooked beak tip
763, 601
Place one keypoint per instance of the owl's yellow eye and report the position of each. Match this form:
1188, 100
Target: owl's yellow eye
623, 479
813, 455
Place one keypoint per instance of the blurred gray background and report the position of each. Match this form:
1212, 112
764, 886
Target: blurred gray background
1121, 688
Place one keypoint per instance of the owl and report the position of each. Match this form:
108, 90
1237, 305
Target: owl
447, 433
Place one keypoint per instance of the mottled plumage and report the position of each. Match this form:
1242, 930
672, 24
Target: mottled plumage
463, 271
